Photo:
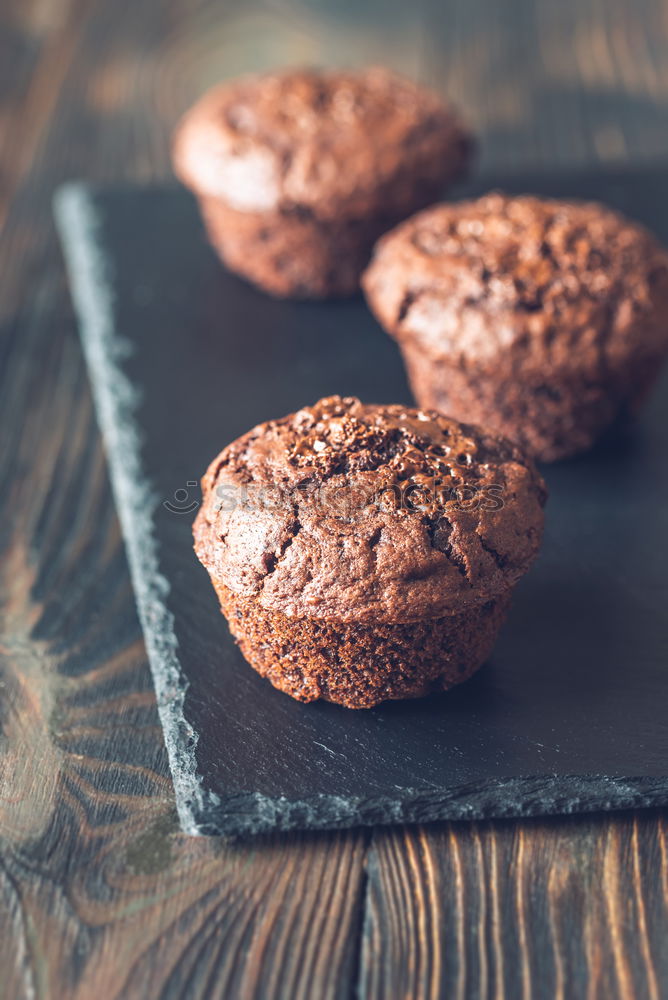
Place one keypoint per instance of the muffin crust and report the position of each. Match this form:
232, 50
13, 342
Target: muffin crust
538, 317
314, 165
362, 553
353, 512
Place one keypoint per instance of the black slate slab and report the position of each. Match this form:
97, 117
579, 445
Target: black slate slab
569, 715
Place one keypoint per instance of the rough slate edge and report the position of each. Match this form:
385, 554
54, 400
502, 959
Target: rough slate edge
116, 401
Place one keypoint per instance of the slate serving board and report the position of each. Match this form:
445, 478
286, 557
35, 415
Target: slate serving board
570, 713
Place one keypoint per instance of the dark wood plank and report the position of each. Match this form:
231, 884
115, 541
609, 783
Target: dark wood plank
568, 908
99, 893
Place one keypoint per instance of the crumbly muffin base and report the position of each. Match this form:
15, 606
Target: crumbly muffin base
293, 254
359, 666
290, 255
553, 417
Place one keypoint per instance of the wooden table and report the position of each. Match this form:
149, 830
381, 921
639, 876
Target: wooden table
100, 894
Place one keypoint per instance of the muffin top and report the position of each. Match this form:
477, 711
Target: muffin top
320, 142
352, 512
522, 284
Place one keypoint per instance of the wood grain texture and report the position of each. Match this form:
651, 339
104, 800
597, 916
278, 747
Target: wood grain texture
565, 908
100, 896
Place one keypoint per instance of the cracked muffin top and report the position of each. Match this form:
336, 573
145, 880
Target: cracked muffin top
318, 142
352, 512
522, 284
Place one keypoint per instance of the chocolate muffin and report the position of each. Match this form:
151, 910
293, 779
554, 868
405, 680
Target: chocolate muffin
299, 172
362, 553
540, 319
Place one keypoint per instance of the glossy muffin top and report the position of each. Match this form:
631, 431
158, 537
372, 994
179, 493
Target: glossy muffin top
350, 512
318, 142
522, 284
